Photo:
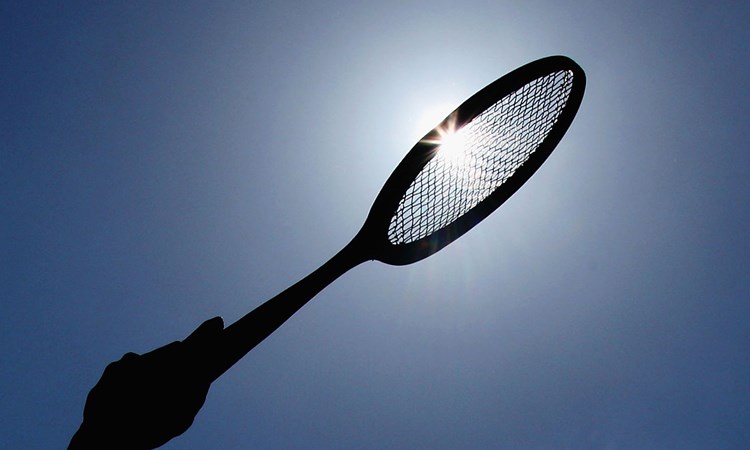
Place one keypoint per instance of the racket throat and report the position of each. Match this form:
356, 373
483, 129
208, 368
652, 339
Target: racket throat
243, 335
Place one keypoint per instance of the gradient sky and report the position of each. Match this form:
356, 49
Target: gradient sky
162, 163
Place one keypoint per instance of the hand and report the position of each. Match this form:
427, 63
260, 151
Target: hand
143, 401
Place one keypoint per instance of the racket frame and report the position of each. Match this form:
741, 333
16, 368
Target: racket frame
375, 229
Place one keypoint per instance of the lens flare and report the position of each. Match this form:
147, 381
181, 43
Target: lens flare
453, 146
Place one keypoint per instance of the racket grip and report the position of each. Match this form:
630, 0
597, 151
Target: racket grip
243, 335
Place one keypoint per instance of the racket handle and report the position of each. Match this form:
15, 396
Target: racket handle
243, 335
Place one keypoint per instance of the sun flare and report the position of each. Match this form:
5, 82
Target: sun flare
432, 116
452, 145
450, 142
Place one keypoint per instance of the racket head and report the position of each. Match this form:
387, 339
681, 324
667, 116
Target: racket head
384, 240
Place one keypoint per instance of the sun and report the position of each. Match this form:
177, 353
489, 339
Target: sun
451, 142
432, 116
453, 145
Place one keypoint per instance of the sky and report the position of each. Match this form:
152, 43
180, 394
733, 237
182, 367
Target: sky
162, 163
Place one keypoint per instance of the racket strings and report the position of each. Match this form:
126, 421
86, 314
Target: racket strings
474, 161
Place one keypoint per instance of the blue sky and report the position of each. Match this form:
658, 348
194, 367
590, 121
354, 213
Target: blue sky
164, 163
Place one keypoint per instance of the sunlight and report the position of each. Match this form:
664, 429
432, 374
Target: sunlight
453, 145
452, 149
452, 142
432, 116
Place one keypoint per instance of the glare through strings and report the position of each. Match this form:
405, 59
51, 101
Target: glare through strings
452, 148
457, 155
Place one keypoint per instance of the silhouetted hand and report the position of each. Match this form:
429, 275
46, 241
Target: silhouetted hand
143, 401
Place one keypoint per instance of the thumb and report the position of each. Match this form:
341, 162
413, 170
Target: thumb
208, 331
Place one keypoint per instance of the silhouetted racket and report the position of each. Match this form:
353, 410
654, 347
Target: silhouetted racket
454, 177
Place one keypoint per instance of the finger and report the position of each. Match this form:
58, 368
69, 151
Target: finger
117, 366
163, 352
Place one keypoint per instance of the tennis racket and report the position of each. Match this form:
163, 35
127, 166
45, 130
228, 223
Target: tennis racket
453, 178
